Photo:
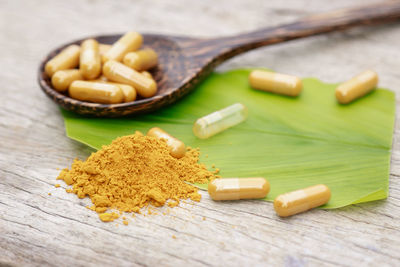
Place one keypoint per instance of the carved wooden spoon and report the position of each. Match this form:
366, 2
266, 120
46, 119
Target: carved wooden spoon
185, 61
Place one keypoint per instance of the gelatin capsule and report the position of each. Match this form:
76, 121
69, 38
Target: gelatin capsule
90, 62
141, 60
98, 92
102, 78
147, 74
128, 91
103, 48
66, 59
177, 147
238, 188
358, 86
118, 72
301, 200
275, 82
62, 79
131, 41
219, 121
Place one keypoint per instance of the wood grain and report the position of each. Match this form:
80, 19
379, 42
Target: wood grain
41, 230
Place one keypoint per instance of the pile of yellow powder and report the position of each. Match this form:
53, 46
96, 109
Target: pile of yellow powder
133, 172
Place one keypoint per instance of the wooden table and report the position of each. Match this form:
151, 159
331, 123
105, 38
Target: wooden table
41, 229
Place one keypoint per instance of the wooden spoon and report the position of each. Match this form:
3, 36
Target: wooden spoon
185, 61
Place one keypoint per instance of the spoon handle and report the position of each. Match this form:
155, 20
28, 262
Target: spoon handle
226, 47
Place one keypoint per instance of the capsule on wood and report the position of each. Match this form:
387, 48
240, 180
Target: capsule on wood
66, 59
275, 82
141, 60
358, 86
301, 200
118, 72
147, 74
128, 91
98, 92
103, 48
90, 62
177, 147
62, 79
238, 188
131, 41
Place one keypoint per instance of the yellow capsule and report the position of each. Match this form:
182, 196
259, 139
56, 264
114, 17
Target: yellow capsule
358, 86
131, 41
102, 78
141, 60
147, 74
62, 79
275, 82
128, 91
90, 62
301, 200
118, 72
219, 121
238, 188
98, 92
103, 48
66, 59
177, 147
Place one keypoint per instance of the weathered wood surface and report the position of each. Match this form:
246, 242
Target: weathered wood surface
38, 229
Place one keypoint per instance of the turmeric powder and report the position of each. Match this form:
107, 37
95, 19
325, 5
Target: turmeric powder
133, 172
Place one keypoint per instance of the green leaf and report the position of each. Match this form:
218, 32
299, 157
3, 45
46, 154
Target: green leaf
293, 142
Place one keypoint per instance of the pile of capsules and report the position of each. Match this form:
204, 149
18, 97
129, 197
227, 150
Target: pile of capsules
255, 188
101, 77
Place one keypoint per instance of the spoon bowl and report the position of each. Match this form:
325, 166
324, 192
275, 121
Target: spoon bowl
184, 61
173, 77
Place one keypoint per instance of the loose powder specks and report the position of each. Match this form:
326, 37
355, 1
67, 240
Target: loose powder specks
133, 172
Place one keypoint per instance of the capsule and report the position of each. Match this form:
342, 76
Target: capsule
90, 62
358, 86
219, 121
118, 72
128, 91
177, 147
66, 59
131, 41
147, 74
103, 48
238, 188
275, 82
301, 200
98, 92
62, 79
141, 60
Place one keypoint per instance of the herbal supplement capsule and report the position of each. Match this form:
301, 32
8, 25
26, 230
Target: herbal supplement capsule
147, 74
98, 92
131, 41
141, 60
301, 200
118, 72
177, 147
128, 91
238, 188
103, 48
66, 59
219, 121
275, 82
62, 79
102, 78
358, 86
90, 62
